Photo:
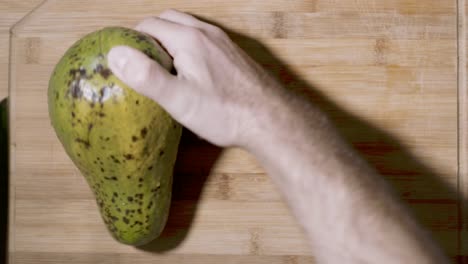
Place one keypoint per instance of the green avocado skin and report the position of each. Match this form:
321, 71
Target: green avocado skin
124, 143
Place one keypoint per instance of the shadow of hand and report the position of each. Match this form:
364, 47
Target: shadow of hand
195, 159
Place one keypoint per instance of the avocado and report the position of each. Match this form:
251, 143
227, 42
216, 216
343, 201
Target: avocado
123, 143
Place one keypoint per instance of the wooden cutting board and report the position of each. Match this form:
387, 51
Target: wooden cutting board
385, 71
11, 12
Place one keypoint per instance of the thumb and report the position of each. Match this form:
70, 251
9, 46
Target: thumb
143, 74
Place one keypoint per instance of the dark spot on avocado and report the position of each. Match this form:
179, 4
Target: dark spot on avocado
174, 126
139, 211
82, 71
137, 102
143, 132
155, 189
134, 138
107, 138
128, 156
148, 53
140, 179
113, 178
140, 203
161, 152
78, 154
98, 68
139, 195
125, 219
101, 94
75, 89
90, 126
140, 185
150, 205
127, 211
92, 104
118, 209
101, 114
86, 143
105, 73
102, 169
128, 176
116, 194
113, 200
72, 72
130, 199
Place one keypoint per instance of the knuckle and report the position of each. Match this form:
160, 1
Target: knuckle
194, 35
217, 31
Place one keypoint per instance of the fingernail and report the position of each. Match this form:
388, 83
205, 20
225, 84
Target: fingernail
117, 58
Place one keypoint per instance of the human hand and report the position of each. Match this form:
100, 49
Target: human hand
218, 90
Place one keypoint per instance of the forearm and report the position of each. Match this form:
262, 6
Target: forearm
346, 209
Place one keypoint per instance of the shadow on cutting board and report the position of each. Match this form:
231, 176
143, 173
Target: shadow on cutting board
194, 162
381, 150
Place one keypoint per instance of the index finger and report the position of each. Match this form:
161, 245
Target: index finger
167, 32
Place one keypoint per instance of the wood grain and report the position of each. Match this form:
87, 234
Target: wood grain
463, 127
385, 71
11, 11
142, 257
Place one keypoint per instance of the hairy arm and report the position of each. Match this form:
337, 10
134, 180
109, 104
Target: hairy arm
346, 209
